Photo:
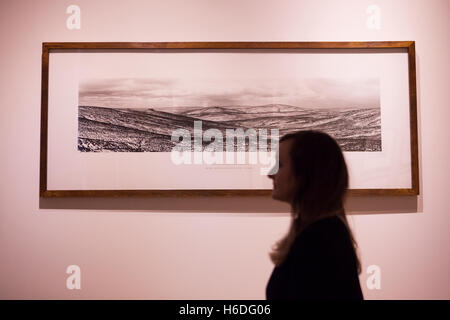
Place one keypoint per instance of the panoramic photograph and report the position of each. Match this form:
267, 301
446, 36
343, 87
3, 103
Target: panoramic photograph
140, 114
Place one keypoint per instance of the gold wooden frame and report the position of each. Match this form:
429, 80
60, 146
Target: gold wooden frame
50, 46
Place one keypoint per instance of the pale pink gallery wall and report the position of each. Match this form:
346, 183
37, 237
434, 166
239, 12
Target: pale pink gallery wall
209, 248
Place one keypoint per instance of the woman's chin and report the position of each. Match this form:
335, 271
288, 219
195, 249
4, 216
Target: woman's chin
275, 195
278, 197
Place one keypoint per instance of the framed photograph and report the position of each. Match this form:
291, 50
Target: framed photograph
204, 118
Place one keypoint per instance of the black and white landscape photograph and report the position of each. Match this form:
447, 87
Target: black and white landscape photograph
140, 114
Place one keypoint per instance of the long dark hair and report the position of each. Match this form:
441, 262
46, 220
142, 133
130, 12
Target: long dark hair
321, 179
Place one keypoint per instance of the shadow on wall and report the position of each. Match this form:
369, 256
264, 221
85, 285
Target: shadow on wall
256, 205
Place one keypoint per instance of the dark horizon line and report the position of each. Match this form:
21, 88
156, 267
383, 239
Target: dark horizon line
228, 106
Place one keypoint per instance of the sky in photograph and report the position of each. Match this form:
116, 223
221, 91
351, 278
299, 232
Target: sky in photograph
166, 93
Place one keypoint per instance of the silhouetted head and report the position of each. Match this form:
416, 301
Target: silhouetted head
312, 174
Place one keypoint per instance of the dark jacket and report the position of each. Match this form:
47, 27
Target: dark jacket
320, 265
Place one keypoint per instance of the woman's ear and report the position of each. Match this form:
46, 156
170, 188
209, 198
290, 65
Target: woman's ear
300, 184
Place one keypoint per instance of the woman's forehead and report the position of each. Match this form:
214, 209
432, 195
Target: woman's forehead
285, 147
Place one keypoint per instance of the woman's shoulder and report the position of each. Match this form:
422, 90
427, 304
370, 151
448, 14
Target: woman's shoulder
332, 223
326, 230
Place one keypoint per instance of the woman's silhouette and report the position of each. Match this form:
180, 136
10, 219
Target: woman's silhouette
317, 258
